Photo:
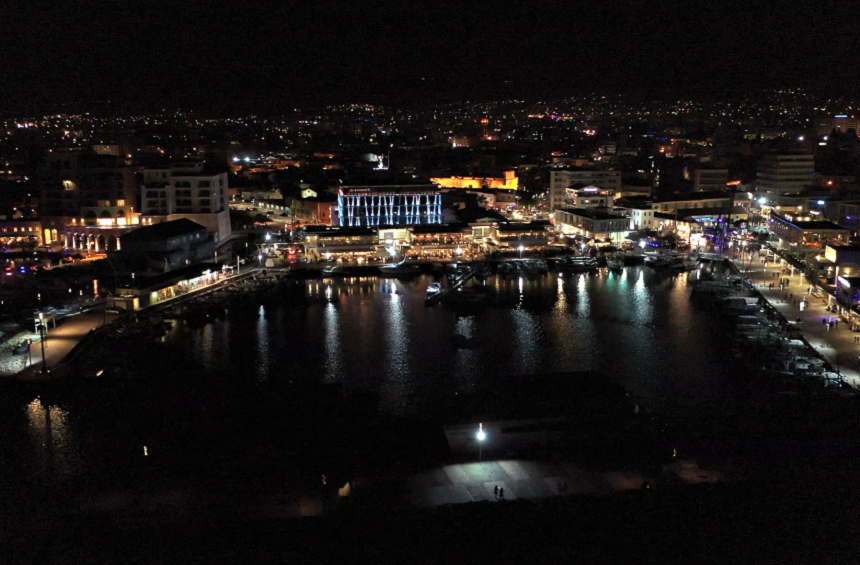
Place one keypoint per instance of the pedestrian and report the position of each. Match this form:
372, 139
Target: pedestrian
501, 493
790, 296
836, 324
824, 321
496, 491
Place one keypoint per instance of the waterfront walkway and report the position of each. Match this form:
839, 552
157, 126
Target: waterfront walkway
836, 345
61, 340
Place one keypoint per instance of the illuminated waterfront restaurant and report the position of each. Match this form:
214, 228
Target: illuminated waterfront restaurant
530, 236
592, 223
369, 206
149, 291
848, 298
327, 242
441, 241
429, 241
836, 261
806, 234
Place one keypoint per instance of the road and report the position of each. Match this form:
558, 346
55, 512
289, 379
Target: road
835, 345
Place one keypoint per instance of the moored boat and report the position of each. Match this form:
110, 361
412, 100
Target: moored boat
399, 269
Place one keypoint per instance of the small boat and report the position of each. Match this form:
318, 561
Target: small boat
661, 260
579, 264
340, 271
401, 269
615, 262
434, 289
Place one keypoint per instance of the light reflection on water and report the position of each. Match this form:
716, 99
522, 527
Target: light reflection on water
54, 446
263, 360
637, 328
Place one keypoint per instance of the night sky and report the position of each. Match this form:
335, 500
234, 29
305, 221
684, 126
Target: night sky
251, 55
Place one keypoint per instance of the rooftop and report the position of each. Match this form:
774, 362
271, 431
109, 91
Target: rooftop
696, 196
808, 225
163, 230
390, 189
165, 279
593, 213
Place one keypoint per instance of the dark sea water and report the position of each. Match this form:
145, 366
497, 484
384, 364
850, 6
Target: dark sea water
638, 328
225, 391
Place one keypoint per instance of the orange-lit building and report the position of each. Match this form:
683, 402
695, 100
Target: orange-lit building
508, 181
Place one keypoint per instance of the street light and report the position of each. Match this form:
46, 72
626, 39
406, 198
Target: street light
521, 248
481, 436
42, 340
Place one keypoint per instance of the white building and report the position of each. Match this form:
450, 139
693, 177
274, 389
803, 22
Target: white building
642, 218
589, 197
185, 191
595, 223
563, 178
784, 174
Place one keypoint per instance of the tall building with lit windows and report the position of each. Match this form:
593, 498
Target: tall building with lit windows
186, 191
785, 173
368, 206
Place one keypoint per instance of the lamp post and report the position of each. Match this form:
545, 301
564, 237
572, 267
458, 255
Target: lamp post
42, 340
481, 436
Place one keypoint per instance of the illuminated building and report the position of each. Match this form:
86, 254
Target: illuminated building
509, 181
369, 206
589, 197
592, 223
841, 123
149, 291
805, 232
785, 173
186, 191
563, 178
90, 200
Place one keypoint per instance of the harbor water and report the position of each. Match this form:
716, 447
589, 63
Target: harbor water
216, 395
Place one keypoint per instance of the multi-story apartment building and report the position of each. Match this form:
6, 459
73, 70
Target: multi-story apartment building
563, 178
186, 191
595, 223
88, 200
710, 180
785, 173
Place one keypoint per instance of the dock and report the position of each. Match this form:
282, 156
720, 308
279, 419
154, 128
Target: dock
457, 282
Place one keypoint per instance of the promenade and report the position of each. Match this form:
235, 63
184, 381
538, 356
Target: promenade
835, 345
60, 341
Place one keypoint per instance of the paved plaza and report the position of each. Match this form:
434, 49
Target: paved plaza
835, 345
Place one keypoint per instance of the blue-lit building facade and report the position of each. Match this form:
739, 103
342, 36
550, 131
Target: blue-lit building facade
368, 206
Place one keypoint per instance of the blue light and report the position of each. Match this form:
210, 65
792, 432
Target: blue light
821, 202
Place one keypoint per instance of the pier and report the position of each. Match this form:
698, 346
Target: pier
456, 282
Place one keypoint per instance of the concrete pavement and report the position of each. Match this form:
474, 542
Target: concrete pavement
474, 482
62, 339
835, 345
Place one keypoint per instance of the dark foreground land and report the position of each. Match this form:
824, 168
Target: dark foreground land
749, 523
